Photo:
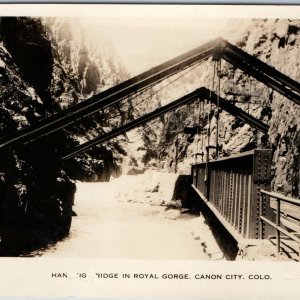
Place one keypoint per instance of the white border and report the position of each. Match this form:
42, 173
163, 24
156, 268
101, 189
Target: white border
31, 277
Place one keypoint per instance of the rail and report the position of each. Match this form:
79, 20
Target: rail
277, 225
230, 187
219, 48
200, 94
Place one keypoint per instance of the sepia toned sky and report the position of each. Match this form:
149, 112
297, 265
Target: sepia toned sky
142, 43
146, 35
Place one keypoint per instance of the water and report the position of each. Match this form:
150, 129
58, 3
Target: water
116, 220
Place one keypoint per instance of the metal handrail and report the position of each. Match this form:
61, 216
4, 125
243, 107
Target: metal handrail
279, 197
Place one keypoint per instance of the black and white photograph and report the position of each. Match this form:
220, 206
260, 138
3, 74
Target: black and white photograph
150, 137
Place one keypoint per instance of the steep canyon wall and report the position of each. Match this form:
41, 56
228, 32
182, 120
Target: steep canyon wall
276, 42
46, 67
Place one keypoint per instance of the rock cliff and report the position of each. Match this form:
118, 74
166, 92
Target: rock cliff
45, 67
275, 42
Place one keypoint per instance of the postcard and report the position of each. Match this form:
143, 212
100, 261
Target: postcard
149, 151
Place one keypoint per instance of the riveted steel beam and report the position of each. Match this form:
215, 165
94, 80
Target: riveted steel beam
201, 94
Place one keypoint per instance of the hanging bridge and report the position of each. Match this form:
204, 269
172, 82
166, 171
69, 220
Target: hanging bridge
229, 186
218, 48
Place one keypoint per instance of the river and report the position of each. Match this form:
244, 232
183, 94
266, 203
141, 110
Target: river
117, 220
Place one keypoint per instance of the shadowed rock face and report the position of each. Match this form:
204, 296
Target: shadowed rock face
36, 194
26, 41
36, 204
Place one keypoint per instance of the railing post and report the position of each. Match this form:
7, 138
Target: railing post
193, 174
261, 203
261, 178
208, 182
207, 173
278, 224
197, 175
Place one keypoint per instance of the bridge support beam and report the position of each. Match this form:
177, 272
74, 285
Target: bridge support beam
202, 93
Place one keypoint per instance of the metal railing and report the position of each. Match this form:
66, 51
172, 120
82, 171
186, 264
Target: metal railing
230, 187
277, 225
